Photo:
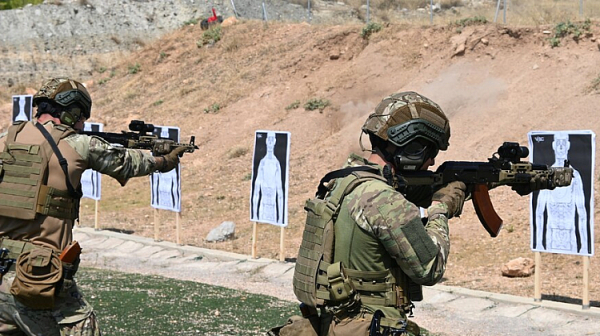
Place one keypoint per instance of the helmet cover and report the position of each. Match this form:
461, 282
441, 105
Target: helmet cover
65, 92
407, 116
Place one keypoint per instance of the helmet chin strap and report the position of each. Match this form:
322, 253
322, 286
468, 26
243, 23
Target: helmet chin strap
362, 147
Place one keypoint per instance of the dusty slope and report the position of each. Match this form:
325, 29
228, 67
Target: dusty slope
501, 88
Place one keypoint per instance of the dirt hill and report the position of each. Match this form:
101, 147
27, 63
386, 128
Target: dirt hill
496, 83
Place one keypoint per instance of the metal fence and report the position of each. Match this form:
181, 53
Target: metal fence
437, 11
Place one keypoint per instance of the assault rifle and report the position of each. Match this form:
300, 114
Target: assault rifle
141, 137
503, 168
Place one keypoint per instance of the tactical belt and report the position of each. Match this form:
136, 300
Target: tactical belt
15, 248
377, 288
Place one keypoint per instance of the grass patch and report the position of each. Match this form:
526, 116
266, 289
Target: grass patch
133, 69
370, 29
210, 36
316, 104
214, 108
294, 105
133, 304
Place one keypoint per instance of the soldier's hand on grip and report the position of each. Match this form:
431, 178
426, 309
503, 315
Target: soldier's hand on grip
453, 195
168, 162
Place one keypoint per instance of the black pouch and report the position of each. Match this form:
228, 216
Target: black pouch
38, 273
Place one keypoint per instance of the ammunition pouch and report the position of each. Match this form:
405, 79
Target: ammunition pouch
38, 273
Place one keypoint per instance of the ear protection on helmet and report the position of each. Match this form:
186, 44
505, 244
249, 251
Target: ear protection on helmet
413, 155
71, 115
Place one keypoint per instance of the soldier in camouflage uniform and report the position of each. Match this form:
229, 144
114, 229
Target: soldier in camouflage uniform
360, 275
63, 105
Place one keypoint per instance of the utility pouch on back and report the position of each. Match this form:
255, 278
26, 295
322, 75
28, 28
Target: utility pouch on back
38, 273
340, 286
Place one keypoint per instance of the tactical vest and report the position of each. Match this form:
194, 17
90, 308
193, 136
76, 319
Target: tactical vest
318, 281
24, 192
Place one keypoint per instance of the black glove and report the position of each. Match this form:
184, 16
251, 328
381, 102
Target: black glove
168, 162
537, 182
453, 195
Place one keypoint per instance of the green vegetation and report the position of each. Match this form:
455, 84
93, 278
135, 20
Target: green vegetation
158, 102
162, 56
101, 70
595, 86
564, 29
133, 69
190, 22
471, 21
210, 36
370, 29
294, 105
214, 108
103, 81
247, 177
133, 304
12, 4
316, 104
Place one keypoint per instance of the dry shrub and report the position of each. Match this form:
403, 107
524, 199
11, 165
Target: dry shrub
447, 4
303, 3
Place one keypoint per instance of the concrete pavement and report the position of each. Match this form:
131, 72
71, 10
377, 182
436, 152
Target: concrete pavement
445, 310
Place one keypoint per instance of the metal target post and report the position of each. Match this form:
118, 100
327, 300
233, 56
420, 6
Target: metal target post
368, 10
309, 12
504, 19
580, 7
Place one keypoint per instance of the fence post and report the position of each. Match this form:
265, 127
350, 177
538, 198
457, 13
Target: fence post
504, 12
264, 11
368, 10
309, 12
431, 11
234, 10
497, 10
580, 7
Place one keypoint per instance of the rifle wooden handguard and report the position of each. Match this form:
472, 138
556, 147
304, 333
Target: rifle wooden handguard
485, 210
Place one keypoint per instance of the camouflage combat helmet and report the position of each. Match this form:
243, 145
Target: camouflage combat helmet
66, 92
406, 116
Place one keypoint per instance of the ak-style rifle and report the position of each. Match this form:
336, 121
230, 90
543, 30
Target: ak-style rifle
503, 168
141, 137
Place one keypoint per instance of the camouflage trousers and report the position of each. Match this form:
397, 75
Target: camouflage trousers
330, 326
71, 316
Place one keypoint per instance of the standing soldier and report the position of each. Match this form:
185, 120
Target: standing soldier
366, 250
40, 170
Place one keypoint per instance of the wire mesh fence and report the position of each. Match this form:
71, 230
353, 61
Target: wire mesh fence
515, 12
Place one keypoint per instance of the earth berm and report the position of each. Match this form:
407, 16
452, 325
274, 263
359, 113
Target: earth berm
446, 310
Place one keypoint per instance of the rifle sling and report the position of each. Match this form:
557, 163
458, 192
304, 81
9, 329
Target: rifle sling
63, 162
322, 189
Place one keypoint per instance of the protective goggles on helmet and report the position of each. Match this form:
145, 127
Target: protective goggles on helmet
402, 134
67, 98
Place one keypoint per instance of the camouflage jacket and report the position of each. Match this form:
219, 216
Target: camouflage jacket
392, 233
